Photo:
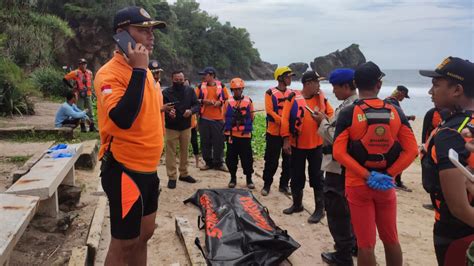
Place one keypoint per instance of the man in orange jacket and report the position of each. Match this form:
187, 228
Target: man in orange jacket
131, 136
274, 101
301, 140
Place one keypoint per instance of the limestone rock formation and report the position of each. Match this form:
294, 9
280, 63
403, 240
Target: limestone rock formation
350, 57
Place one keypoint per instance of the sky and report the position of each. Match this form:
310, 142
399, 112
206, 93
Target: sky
398, 34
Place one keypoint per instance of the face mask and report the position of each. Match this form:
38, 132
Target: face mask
178, 84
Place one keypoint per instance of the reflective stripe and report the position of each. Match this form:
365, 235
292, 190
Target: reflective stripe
377, 115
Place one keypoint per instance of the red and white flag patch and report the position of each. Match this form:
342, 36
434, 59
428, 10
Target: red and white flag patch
106, 89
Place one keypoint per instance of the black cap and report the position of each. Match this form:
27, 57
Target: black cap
403, 89
311, 75
207, 70
154, 66
455, 68
135, 16
82, 61
367, 74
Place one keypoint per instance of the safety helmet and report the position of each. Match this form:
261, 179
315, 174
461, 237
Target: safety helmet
281, 71
236, 83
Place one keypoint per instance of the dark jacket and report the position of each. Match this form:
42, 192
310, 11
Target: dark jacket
187, 99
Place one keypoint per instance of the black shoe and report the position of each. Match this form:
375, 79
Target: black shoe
265, 191
402, 187
250, 184
92, 128
188, 179
428, 207
285, 190
83, 128
171, 184
297, 205
331, 259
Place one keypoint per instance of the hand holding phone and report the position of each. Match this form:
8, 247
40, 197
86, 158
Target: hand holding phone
136, 53
309, 109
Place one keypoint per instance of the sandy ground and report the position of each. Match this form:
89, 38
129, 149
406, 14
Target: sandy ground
38, 247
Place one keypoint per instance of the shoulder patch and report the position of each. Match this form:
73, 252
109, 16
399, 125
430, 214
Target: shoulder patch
106, 89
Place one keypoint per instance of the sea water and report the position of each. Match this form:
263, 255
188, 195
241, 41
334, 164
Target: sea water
418, 86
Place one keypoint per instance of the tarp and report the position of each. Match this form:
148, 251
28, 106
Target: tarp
239, 229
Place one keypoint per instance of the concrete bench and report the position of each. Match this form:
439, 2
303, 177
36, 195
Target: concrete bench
43, 181
16, 212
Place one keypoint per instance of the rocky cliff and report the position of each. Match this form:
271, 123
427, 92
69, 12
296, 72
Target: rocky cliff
298, 68
350, 57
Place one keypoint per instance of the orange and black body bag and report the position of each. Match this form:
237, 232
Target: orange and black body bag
239, 230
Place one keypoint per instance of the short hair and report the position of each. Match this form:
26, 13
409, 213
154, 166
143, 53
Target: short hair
176, 72
367, 86
69, 95
350, 83
468, 92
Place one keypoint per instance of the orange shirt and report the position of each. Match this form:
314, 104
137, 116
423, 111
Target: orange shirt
138, 148
309, 137
212, 112
240, 134
273, 127
352, 125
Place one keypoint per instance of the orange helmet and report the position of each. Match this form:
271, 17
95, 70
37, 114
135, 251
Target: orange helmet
237, 83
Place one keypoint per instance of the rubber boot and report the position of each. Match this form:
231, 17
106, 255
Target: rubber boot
250, 183
92, 128
297, 202
318, 213
83, 127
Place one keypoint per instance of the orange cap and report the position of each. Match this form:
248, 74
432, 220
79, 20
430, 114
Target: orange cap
237, 83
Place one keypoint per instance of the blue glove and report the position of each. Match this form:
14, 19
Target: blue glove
380, 181
60, 146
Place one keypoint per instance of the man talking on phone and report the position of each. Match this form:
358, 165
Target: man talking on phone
131, 136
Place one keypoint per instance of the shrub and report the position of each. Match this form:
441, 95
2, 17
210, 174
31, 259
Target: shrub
14, 90
49, 81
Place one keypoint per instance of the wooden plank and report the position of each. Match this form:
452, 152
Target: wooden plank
95, 230
15, 214
45, 176
187, 236
78, 256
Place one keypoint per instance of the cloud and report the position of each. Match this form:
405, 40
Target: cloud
393, 33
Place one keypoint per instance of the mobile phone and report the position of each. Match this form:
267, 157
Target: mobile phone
454, 158
122, 39
173, 103
309, 109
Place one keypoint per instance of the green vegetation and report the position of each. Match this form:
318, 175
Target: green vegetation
37, 137
29, 39
18, 160
49, 81
14, 89
192, 40
258, 139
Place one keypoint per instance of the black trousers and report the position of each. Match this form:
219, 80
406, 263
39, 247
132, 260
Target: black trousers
298, 168
194, 141
273, 149
212, 141
239, 148
339, 217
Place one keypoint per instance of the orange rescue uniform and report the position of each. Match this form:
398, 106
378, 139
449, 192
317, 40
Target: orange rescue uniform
138, 148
